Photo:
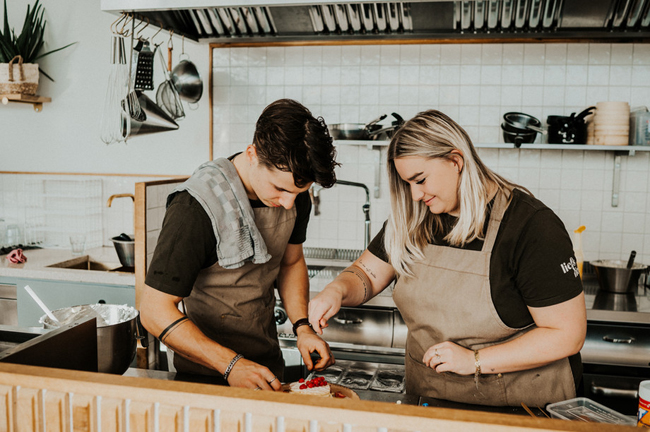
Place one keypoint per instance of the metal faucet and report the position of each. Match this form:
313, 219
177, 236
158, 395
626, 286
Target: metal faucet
314, 192
112, 197
315, 195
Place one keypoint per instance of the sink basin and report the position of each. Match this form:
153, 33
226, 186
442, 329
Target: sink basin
87, 263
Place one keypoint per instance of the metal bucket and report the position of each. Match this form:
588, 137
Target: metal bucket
614, 276
116, 332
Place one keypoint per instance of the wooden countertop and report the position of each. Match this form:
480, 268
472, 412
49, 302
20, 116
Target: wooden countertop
83, 401
39, 262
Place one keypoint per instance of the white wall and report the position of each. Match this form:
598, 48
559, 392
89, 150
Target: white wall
475, 85
65, 137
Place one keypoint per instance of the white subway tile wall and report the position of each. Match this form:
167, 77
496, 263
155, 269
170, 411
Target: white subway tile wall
48, 208
474, 84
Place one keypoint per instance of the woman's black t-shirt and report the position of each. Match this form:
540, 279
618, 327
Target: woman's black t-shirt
532, 262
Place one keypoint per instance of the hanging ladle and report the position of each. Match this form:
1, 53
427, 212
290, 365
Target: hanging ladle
40, 303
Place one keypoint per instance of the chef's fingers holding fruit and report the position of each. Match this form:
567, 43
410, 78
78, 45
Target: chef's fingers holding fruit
308, 343
248, 374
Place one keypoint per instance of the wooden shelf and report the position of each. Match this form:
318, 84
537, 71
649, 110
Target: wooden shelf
36, 101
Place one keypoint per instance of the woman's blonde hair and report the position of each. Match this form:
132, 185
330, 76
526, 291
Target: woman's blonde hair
430, 135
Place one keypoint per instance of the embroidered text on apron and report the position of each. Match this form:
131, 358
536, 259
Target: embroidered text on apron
449, 299
235, 307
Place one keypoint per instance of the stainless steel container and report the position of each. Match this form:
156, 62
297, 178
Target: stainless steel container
116, 332
614, 276
125, 251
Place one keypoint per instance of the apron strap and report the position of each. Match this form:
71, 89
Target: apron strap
496, 215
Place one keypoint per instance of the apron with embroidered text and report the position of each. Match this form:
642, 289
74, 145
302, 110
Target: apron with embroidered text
449, 299
235, 307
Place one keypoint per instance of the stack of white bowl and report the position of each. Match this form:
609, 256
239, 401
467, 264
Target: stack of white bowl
612, 123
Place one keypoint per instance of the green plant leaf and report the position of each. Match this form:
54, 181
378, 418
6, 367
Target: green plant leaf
53, 51
29, 43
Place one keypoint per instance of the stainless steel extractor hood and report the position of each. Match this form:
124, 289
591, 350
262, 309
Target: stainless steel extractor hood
268, 21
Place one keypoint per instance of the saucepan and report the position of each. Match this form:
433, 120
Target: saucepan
524, 122
616, 276
517, 136
117, 332
354, 131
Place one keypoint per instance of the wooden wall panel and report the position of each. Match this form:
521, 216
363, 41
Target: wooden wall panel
110, 412
54, 409
6, 402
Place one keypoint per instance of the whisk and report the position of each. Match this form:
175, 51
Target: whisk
116, 90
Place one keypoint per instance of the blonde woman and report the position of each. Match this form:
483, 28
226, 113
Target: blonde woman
486, 280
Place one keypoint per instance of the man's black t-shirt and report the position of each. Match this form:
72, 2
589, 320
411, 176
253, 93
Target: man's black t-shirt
187, 244
532, 261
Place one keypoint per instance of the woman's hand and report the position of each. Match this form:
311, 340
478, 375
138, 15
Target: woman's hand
449, 357
324, 306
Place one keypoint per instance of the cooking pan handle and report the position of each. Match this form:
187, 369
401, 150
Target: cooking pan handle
141, 332
518, 141
606, 391
345, 321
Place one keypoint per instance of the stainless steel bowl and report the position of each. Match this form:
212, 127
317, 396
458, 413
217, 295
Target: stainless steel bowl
116, 332
125, 251
614, 276
187, 81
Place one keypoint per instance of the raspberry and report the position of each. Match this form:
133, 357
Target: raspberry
302, 387
301, 380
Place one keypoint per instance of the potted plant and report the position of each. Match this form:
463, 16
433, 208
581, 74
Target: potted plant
18, 71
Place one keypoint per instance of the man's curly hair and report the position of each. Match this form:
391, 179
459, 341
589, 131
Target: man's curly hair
289, 138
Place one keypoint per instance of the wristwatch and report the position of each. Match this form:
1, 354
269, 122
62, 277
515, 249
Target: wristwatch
301, 322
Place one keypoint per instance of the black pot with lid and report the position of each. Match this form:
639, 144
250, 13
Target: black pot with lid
568, 129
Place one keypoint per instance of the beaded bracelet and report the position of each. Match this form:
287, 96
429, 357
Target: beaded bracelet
477, 364
231, 365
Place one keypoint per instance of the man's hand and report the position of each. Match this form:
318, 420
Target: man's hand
309, 342
248, 374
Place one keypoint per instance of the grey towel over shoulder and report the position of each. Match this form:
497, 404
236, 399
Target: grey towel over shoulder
218, 188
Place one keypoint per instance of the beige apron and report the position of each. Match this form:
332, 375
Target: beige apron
449, 299
235, 307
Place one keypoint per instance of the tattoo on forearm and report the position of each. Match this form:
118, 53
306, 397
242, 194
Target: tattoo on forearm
170, 328
364, 280
367, 269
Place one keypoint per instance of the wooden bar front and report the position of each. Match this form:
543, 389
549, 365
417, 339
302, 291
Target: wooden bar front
46, 399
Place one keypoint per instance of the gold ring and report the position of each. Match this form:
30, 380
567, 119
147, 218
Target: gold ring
274, 378
437, 354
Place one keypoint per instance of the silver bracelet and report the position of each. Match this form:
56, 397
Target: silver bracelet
231, 365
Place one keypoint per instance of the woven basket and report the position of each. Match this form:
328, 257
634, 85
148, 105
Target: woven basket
18, 78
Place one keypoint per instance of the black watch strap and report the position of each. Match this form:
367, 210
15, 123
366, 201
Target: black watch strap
301, 322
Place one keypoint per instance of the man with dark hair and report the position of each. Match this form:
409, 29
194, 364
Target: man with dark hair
231, 232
